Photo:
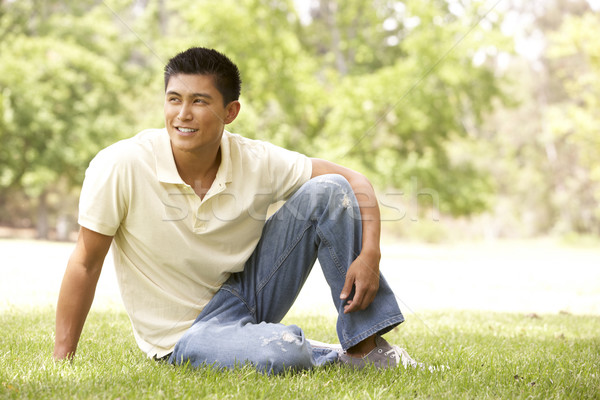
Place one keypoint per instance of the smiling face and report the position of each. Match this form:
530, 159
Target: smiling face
195, 115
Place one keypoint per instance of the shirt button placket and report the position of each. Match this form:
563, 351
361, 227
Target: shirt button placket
199, 220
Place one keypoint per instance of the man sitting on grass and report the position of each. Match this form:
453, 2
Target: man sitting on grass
203, 277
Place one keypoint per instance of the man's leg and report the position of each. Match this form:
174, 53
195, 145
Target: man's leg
270, 348
321, 220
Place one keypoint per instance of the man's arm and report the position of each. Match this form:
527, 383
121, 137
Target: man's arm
77, 290
363, 273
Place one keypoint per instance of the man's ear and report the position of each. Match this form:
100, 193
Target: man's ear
232, 109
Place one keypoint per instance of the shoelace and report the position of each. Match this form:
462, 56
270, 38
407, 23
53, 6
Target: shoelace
407, 360
402, 356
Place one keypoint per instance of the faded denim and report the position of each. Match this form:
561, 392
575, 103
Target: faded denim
241, 323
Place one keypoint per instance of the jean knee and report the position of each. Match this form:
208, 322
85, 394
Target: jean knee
332, 189
331, 182
270, 348
286, 349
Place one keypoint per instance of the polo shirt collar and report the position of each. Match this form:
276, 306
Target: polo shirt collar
166, 170
224, 173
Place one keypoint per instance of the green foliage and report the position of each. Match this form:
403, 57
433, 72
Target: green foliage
489, 356
574, 119
396, 121
545, 151
64, 95
60, 103
387, 88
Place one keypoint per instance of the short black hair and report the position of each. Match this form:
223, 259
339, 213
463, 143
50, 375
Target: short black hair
203, 61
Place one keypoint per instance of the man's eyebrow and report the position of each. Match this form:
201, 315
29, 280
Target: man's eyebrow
208, 96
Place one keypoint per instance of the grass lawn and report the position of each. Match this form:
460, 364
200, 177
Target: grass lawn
489, 355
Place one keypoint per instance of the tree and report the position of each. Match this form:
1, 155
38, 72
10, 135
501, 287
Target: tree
62, 99
387, 87
547, 181
573, 122
399, 111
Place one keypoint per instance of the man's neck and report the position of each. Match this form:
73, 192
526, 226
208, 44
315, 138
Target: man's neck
198, 169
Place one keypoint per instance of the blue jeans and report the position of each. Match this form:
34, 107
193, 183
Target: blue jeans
241, 323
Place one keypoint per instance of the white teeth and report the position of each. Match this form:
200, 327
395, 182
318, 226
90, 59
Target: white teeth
186, 130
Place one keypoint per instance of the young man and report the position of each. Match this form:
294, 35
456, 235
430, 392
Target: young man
203, 277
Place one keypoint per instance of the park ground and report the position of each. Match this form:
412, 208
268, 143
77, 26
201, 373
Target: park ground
495, 320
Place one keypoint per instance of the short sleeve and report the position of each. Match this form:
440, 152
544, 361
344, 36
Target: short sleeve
288, 170
102, 204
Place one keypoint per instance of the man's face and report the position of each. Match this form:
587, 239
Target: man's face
194, 113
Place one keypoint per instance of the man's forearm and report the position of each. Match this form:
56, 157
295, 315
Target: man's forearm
74, 302
371, 219
363, 273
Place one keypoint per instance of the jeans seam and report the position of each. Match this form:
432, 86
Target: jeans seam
332, 252
282, 259
235, 293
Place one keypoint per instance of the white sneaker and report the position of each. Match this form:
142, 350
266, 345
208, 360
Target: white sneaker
405, 359
382, 356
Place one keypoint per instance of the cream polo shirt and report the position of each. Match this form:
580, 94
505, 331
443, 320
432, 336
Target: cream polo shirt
173, 251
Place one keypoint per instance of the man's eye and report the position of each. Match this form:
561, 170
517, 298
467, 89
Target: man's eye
173, 99
199, 101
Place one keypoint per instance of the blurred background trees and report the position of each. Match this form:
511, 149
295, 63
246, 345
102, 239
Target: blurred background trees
545, 148
479, 116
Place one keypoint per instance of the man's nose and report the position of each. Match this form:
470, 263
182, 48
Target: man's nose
185, 113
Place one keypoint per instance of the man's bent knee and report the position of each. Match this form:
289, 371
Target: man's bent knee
283, 349
331, 182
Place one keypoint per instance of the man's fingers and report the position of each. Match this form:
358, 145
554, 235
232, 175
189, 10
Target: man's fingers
362, 299
347, 287
357, 302
365, 284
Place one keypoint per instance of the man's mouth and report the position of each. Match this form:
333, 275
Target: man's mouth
186, 130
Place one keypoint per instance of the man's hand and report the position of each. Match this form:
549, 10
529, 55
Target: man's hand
62, 354
363, 275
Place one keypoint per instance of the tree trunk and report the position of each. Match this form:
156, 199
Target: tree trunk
329, 9
163, 17
42, 220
